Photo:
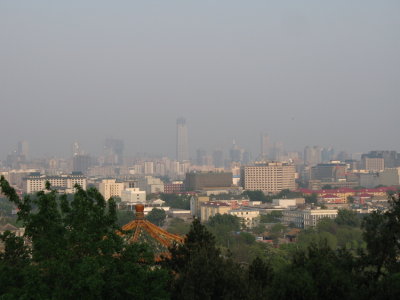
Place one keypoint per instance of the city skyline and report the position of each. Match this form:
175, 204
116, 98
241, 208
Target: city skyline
306, 74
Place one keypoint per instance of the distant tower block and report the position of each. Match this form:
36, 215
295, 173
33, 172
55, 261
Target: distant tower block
264, 143
23, 148
182, 145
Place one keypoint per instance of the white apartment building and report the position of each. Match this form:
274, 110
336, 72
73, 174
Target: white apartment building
36, 182
249, 217
111, 188
308, 217
133, 195
268, 177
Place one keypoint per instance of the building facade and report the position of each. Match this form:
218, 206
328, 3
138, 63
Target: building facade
133, 195
250, 218
204, 180
36, 182
182, 143
268, 177
111, 188
308, 217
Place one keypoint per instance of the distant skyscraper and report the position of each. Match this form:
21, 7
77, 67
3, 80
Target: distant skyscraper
81, 163
114, 151
76, 149
23, 149
201, 157
327, 154
312, 155
264, 143
235, 153
218, 158
277, 152
182, 145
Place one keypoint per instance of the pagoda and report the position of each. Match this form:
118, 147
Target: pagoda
142, 231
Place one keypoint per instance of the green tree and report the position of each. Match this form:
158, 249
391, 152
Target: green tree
347, 217
75, 251
124, 217
256, 196
200, 271
178, 226
157, 216
176, 201
260, 275
223, 227
272, 217
313, 198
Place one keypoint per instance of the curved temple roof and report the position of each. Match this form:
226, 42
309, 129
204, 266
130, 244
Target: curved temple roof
141, 230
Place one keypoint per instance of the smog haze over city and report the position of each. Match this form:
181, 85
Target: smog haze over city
304, 72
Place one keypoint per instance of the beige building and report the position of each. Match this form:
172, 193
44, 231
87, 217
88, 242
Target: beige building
269, 177
374, 164
111, 188
210, 209
195, 204
36, 182
249, 217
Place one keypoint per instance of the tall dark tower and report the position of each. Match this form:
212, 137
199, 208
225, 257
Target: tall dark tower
182, 145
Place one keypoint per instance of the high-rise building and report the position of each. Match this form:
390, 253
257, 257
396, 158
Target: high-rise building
218, 158
23, 149
264, 143
390, 157
312, 155
277, 153
201, 157
268, 177
327, 172
81, 163
182, 144
113, 151
235, 153
373, 164
76, 149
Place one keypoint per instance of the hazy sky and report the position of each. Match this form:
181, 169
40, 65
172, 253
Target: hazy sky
306, 72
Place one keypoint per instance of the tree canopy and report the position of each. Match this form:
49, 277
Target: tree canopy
71, 250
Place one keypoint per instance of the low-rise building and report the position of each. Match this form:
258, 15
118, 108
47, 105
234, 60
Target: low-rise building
175, 187
133, 195
307, 217
210, 209
286, 203
65, 183
249, 217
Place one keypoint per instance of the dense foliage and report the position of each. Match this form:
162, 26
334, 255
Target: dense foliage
157, 216
71, 251
176, 201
